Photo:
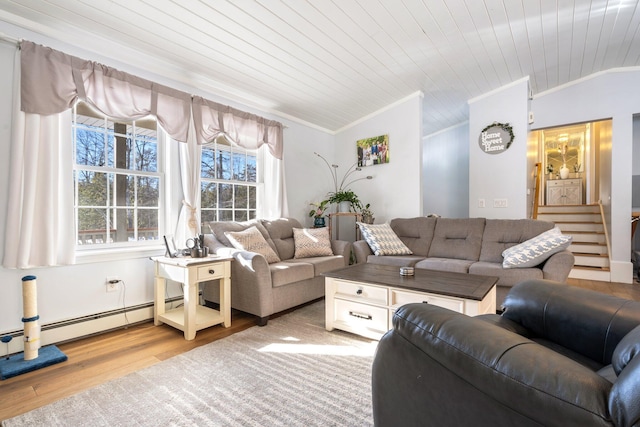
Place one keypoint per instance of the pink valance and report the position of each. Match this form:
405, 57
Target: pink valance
53, 81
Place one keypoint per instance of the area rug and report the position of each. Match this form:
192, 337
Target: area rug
291, 372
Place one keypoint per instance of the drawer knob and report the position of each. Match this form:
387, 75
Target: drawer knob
212, 271
359, 292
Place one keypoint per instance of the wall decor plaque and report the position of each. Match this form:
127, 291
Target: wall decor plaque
496, 138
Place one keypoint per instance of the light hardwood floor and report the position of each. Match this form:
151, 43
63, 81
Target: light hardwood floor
98, 359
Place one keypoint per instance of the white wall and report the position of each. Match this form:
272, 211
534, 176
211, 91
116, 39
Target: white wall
79, 290
395, 190
504, 175
445, 166
613, 94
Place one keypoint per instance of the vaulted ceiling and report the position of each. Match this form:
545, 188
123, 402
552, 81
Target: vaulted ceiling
331, 62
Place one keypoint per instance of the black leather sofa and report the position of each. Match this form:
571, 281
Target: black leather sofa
558, 356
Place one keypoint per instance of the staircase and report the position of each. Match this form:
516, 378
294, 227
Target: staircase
589, 245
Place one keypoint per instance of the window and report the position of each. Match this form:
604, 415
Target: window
230, 182
118, 183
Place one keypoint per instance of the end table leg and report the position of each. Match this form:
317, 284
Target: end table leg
190, 302
158, 306
225, 301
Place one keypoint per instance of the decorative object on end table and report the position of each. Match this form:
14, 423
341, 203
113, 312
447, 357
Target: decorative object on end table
367, 214
318, 213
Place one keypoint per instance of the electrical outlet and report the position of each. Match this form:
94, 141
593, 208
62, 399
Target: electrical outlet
499, 203
481, 203
112, 283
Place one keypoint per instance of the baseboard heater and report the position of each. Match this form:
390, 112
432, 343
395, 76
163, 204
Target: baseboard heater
84, 326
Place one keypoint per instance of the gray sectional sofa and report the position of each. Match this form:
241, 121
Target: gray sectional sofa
261, 288
470, 245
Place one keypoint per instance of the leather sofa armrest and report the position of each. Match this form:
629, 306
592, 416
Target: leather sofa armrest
342, 247
436, 359
558, 266
587, 322
361, 250
624, 399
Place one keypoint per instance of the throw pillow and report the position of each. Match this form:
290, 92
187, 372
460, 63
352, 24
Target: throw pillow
536, 250
310, 242
382, 240
253, 241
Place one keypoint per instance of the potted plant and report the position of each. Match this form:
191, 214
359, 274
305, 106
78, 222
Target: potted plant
367, 214
318, 213
345, 197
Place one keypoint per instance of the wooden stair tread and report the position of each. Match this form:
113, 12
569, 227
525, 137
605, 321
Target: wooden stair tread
588, 268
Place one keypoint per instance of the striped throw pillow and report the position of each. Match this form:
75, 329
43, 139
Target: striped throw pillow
382, 240
535, 251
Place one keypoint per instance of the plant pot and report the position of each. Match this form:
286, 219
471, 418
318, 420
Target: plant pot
318, 222
344, 207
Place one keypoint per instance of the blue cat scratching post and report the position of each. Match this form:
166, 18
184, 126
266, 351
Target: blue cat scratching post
30, 359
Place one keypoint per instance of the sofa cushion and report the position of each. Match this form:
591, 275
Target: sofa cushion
218, 228
281, 233
397, 260
311, 242
445, 264
383, 240
323, 264
506, 277
536, 250
501, 234
415, 233
285, 272
457, 238
252, 240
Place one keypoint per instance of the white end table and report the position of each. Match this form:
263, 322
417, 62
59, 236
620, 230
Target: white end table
192, 316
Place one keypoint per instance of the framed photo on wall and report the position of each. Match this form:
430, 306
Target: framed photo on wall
373, 151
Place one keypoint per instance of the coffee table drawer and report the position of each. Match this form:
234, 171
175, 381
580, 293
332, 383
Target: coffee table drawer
361, 319
399, 298
361, 291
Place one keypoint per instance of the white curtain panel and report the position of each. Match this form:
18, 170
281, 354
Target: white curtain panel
190, 165
275, 203
40, 227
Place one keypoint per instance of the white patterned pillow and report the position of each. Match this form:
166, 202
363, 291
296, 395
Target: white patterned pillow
536, 250
253, 241
382, 240
310, 242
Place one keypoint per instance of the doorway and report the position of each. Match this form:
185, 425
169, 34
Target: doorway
570, 156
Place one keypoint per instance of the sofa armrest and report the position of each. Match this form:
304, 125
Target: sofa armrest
558, 266
342, 247
361, 250
436, 362
587, 322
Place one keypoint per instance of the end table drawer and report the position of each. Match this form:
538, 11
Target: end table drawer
362, 319
211, 271
372, 294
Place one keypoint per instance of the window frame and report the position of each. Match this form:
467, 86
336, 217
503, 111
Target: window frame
124, 249
224, 143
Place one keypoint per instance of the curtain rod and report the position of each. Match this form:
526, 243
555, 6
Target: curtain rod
8, 39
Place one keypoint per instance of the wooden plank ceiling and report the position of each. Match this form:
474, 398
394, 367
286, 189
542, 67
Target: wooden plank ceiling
331, 62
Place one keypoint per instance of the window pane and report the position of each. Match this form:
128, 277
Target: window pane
241, 215
208, 169
148, 191
92, 226
90, 146
92, 188
122, 225
240, 196
252, 175
252, 214
147, 224
225, 215
209, 195
226, 195
253, 197
239, 167
223, 165
146, 154
208, 215
124, 194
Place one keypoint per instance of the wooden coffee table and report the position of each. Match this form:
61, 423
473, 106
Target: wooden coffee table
363, 298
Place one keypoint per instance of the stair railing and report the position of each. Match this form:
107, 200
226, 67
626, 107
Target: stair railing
536, 191
606, 232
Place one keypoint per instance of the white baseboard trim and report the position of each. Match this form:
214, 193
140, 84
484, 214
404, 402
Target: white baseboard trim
73, 329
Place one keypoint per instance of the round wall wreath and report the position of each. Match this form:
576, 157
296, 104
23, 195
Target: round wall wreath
496, 138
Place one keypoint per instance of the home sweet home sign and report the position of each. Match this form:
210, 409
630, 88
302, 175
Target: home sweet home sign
496, 138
